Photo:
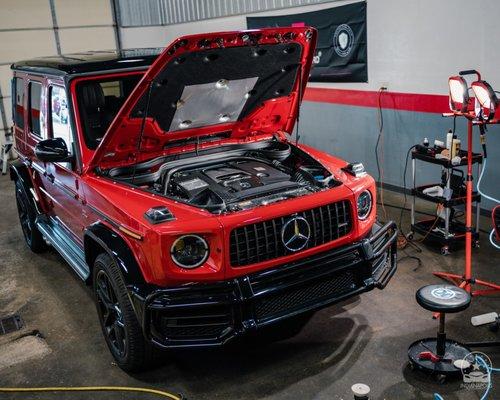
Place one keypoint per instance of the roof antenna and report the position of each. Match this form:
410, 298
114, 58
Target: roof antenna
297, 137
143, 125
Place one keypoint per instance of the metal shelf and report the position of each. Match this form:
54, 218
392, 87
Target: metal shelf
477, 158
455, 200
445, 232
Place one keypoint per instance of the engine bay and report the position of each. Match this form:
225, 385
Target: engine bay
231, 178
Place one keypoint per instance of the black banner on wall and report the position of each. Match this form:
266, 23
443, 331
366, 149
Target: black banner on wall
341, 51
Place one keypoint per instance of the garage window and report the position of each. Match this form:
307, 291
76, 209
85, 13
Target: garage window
35, 94
18, 102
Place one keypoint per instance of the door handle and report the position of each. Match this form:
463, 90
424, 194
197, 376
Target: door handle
50, 177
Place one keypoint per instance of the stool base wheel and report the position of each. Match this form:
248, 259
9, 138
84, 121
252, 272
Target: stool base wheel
423, 357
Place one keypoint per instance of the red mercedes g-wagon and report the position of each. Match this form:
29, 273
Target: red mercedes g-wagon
169, 182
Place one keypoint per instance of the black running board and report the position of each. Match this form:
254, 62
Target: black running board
64, 244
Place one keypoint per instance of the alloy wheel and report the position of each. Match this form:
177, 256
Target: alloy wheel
111, 314
23, 216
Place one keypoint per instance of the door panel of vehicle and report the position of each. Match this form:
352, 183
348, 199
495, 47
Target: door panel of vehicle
60, 181
67, 188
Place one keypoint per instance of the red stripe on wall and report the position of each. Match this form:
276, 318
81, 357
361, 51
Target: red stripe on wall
430, 103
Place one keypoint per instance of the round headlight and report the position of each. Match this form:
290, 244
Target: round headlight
364, 204
189, 251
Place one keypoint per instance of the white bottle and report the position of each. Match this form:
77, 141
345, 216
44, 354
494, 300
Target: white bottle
449, 139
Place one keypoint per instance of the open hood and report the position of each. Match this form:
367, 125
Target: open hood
238, 84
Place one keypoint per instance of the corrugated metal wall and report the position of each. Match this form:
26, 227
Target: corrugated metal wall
167, 12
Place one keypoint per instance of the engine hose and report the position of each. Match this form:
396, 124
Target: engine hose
277, 151
155, 392
299, 178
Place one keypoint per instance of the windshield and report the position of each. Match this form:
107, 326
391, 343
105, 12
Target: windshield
98, 103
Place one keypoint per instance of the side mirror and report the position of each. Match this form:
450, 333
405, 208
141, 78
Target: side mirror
52, 150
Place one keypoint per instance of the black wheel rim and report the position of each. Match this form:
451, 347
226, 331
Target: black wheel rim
111, 314
24, 217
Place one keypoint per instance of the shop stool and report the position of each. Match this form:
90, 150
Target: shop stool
440, 356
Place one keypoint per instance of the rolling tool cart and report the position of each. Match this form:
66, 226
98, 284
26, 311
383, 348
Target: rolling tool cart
443, 230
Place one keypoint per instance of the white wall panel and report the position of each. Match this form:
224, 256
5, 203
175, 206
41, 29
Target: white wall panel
87, 12
18, 45
8, 112
24, 13
5, 75
74, 40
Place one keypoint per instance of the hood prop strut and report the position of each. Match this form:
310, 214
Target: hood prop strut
141, 134
299, 100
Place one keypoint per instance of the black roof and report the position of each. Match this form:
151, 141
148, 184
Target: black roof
90, 61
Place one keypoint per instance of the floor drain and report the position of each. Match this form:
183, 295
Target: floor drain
10, 324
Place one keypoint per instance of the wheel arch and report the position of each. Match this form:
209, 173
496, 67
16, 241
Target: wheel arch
99, 238
19, 172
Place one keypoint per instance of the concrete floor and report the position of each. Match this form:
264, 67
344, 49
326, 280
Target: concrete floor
364, 340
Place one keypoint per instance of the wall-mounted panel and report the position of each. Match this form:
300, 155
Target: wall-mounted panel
84, 39
19, 45
17, 14
79, 13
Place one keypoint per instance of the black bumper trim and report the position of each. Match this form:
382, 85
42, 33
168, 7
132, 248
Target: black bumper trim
202, 314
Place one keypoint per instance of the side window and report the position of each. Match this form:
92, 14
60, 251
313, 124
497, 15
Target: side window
59, 116
35, 93
18, 102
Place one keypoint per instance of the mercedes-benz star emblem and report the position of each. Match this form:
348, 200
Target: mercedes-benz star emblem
295, 233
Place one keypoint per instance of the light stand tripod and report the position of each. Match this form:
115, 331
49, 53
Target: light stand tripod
467, 280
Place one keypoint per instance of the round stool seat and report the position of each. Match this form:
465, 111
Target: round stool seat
443, 298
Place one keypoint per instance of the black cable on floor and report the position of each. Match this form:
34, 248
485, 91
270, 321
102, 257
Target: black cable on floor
404, 188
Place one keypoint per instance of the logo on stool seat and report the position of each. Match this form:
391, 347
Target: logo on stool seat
443, 293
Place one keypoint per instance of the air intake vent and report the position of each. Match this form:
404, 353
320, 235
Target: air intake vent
158, 214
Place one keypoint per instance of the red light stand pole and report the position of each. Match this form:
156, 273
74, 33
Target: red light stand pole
466, 281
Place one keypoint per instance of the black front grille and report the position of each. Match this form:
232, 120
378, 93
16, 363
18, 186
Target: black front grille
289, 300
262, 241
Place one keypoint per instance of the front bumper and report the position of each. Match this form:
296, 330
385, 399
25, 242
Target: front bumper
201, 314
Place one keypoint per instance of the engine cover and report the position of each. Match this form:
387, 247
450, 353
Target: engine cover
244, 175
233, 180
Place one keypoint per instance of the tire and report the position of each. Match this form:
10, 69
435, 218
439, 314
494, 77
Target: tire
120, 327
27, 217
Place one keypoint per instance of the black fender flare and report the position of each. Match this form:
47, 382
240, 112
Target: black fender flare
19, 172
99, 237
111, 242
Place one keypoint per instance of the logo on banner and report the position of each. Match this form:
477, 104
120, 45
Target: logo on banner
343, 40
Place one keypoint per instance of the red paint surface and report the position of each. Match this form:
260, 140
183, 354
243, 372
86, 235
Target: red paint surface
430, 103
88, 198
